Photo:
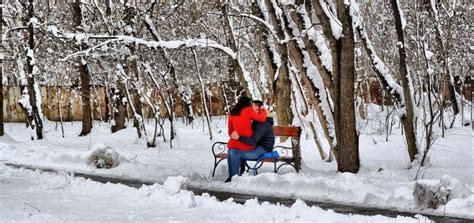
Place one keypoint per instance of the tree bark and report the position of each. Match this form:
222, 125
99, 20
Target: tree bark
32, 113
267, 54
81, 65
313, 52
1, 84
119, 108
233, 45
1, 98
281, 86
408, 118
448, 91
203, 95
347, 147
326, 26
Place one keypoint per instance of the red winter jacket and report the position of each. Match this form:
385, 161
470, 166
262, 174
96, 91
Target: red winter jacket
243, 125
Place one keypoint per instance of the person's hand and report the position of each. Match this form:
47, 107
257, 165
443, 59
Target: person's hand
234, 135
262, 109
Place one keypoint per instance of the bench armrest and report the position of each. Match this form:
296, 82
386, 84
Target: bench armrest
284, 150
219, 148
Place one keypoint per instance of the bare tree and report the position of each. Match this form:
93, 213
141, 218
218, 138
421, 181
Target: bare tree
408, 119
281, 88
29, 101
81, 65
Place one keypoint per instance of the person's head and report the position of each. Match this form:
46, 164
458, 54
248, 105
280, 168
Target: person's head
256, 104
243, 102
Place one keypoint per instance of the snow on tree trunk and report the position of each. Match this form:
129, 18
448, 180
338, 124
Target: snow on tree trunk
408, 119
243, 75
29, 100
119, 107
203, 95
271, 57
449, 93
347, 147
317, 78
281, 88
85, 78
1, 96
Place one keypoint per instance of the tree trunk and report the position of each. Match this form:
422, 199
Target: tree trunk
32, 112
119, 108
203, 95
347, 147
132, 70
235, 62
448, 92
296, 55
1, 98
84, 74
1, 84
281, 86
86, 99
408, 118
267, 54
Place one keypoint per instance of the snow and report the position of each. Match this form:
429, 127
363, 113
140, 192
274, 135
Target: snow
384, 179
429, 54
382, 70
172, 44
38, 100
402, 17
104, 156
324, 104
34, 196
271, 41
318, 39
279, 16
329, 10
317, 81
30, 53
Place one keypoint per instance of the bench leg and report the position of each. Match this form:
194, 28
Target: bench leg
287, 164
216, 163
274, 165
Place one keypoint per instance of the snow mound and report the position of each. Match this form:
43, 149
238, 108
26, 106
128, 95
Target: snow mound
173, 185
103, 156
434, 193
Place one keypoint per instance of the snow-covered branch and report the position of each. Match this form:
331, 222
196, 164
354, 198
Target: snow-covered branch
172, 44
383, 72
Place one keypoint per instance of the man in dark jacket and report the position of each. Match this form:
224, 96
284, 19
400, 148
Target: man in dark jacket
262, 137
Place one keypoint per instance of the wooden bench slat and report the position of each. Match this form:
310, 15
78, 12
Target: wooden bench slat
287, 131
221, 155
287, 159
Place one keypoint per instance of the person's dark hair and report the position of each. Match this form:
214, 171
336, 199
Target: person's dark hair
258, 102
243, 102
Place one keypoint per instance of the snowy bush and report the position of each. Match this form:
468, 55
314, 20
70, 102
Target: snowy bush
103, 156
434, 193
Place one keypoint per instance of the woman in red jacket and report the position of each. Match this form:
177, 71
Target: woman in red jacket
240, 120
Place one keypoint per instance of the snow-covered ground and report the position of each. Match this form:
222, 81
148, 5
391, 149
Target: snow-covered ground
33, 196
385, 179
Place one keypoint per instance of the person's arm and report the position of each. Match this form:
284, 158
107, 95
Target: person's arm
262, 117
257, 136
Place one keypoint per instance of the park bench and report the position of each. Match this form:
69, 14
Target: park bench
219, 151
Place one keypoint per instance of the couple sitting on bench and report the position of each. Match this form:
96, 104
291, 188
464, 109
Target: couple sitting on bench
250, 128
